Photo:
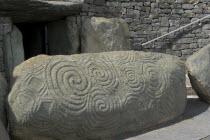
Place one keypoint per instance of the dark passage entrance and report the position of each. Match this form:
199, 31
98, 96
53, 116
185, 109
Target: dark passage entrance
34, 38
51, 38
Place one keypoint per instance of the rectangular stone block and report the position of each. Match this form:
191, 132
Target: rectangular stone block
104, 34
99, 2
39, 10
188, 6
62, 39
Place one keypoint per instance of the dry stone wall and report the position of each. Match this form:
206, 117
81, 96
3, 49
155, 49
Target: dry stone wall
149, 19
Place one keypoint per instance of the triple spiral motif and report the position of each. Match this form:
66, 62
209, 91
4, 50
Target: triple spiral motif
93, 91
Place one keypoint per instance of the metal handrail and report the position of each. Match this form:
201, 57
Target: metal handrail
208, 16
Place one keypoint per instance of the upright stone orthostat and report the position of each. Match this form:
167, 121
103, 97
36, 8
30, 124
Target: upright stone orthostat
3, 95
93, 96
198, 66
13, 51
104, 35
5, 27
63, 37
3, 133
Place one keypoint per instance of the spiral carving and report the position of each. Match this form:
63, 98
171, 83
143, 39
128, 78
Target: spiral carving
156, 80
102, 73
69, 83
102, 110
130, 101
133, 79
127, 57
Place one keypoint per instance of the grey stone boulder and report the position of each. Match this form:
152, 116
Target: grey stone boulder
3, 133
95, 96
104, 34
198, 66
39, 10
63, 37
3, 95
13, 51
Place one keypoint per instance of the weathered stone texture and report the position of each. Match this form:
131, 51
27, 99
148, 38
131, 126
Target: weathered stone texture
99, 2
63, 37
1, 57
39, 10
3, 133
3, 95
13, 51
199, 72
103, 35
93, 96
5, 25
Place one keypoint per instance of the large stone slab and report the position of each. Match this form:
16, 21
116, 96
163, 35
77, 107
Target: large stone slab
3, 133
13, 51
103, 35
3, 95
198, 66
39, 10
94, 96
63, 37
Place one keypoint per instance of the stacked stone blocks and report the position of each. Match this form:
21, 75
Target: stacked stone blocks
149, 19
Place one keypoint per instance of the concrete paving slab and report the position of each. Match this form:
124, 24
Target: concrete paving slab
193, 125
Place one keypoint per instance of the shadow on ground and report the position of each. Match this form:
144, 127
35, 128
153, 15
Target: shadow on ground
194, 108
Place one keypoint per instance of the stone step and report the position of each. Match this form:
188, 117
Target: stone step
190, 90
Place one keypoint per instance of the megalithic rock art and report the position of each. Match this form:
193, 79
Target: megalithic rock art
93, 96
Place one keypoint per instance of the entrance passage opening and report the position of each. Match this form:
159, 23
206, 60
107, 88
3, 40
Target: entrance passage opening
34, 38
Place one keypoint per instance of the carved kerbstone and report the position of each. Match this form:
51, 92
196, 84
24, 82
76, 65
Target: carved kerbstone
39, 10
93, 96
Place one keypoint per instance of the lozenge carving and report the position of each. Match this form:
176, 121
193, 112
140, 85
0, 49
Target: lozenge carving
93, 96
